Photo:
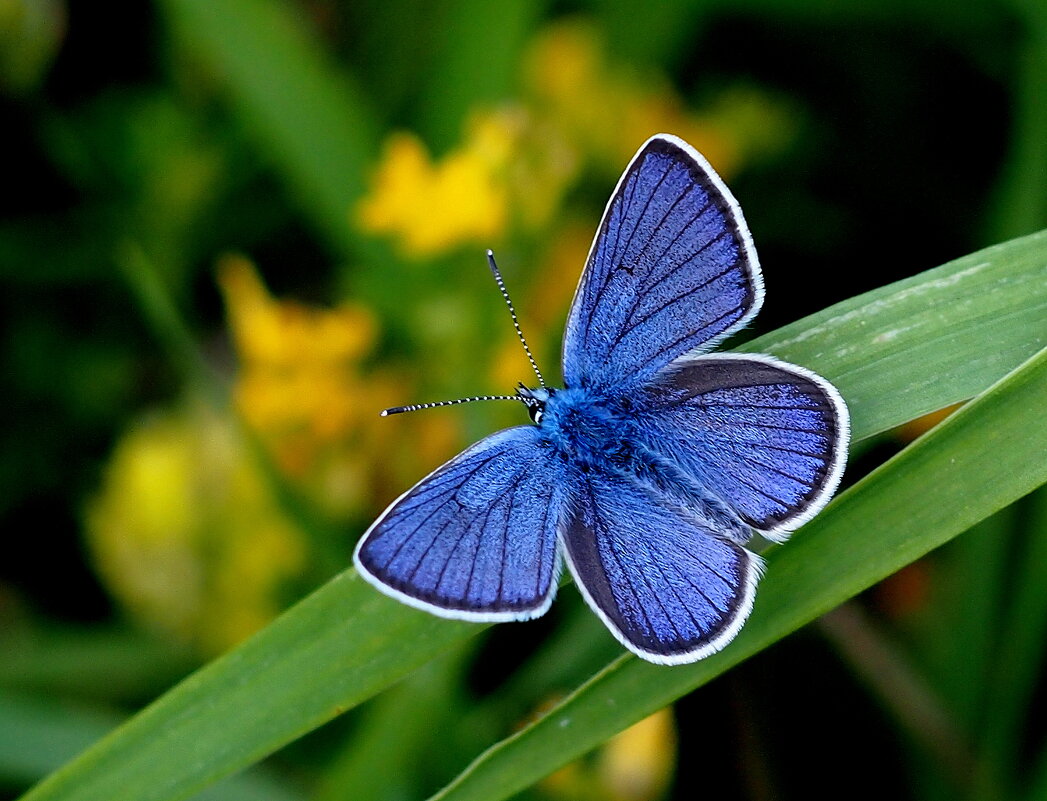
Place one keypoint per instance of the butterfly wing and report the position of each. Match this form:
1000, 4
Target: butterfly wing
767, 438
477, 538
672, 268
666, 585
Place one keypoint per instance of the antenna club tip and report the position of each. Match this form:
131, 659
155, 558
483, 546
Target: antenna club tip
490, 253
383, 413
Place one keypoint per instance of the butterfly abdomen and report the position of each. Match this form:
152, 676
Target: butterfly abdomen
669, 482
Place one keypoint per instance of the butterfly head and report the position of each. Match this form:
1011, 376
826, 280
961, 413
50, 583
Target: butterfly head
535, 400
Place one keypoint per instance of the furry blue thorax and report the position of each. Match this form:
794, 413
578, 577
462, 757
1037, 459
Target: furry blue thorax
582, 427
592, 433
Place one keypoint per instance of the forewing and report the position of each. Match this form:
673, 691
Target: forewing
767, 438
672, 269
667, 586
477, 538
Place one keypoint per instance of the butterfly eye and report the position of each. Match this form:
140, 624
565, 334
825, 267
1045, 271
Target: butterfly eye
536, 413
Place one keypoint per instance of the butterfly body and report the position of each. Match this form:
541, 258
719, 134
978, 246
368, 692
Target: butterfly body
651, 470
582, 429
591, 434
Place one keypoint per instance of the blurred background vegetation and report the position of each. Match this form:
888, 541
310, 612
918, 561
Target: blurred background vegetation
232, 231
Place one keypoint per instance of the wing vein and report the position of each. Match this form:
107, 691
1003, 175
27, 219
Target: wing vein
659, 226
700, 591
683, 229
781, 448
425, 553
669, 588
757, 490
628, 579
628, 329
771, 407
538, 572
450, 554
673, 273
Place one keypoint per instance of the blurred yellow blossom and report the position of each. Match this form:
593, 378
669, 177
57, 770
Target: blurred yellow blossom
609, 110
516, 162
540, 168
507, 163
186, 530
606, 111
560, 272
300, 386
584, 108
636, 765
435, 206
303, 389
185, 533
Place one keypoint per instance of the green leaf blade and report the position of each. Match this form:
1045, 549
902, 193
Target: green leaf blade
338, 647
928, 341
881, 524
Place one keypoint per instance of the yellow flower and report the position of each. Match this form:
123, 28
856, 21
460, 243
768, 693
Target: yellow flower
433, 207
302, 389
516, 162
638, 764
277, 333
510, 164
539, 169
185, 533
300, 386
606, 111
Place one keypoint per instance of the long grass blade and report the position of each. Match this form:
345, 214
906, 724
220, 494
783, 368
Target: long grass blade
979, 460
345, 643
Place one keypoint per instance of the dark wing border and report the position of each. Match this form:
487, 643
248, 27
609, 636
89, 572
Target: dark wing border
838, 461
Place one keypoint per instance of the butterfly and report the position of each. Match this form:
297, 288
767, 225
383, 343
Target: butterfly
650, 470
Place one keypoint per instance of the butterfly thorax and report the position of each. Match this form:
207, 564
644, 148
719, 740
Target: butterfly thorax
580, 426
594, 433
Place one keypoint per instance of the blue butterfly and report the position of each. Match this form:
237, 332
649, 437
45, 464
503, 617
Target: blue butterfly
650, 470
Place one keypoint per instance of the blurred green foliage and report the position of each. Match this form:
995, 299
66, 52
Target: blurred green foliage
234, 229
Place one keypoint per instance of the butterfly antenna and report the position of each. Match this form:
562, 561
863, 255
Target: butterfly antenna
416, 406
512, 313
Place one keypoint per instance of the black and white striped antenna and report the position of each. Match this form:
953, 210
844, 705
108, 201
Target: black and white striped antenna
414, 407
512, 313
